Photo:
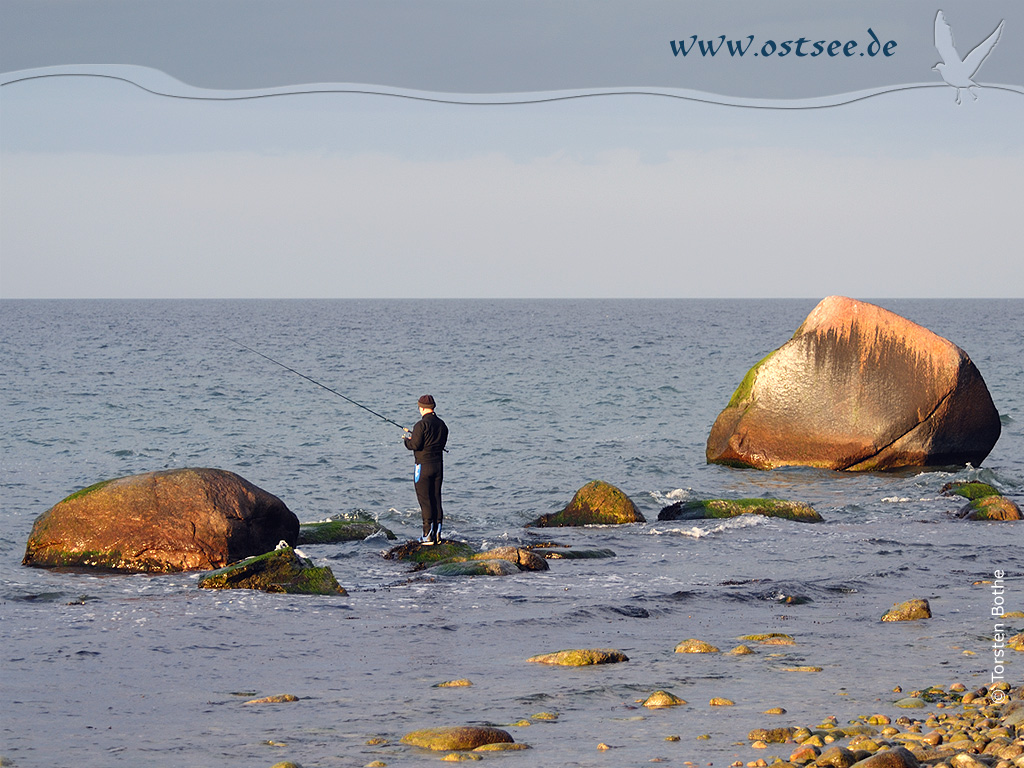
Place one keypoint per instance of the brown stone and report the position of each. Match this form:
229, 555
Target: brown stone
858, 388
898, 757
173, 520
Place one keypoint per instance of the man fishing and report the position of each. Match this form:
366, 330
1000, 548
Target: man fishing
427, 440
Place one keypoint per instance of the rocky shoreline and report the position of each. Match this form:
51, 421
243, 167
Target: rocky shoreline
983, 728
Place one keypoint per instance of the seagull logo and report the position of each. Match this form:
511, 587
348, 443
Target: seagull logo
958, 72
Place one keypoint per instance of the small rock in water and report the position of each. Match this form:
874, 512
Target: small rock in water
909, 610
718, 701
581, 657
695, 646
741, 650
461, 683
280, 698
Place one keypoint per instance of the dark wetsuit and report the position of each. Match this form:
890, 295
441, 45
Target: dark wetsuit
427, 442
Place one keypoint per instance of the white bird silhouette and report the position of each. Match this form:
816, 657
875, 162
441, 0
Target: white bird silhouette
955, 71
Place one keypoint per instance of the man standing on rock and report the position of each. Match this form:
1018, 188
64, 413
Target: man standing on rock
427, 441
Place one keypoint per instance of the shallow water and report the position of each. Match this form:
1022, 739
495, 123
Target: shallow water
541, 397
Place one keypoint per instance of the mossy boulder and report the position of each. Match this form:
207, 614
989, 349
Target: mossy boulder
279, 571
827, 398
596, 503
993, 508
456, 738
431, 554
188, 519
910, 610
333, 531
719, 508
581, 657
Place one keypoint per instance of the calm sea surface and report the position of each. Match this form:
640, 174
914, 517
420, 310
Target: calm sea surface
540, 397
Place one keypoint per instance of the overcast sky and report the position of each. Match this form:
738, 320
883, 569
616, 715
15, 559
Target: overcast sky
109, 191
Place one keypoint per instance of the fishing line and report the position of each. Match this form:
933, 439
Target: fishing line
324, 386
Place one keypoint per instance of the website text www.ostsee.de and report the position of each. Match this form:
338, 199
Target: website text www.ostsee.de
801, 47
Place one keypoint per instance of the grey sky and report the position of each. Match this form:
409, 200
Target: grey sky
109, 191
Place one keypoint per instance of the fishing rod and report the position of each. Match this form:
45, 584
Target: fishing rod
324, 386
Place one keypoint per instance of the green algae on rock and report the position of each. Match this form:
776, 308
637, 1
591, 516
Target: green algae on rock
460, 737
581, 657
909, 610
596, 503
969, 489
279, 571
720, 508
334, 530
429, 554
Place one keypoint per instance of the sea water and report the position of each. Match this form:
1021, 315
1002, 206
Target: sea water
540, 398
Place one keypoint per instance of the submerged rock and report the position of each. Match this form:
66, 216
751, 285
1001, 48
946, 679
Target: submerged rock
567, 553
279, 571
581, 657
909, 610
354, 528
462, 737
523, 559
454, 558
175, 520
718, 508
495, 567
858, 388
596, 503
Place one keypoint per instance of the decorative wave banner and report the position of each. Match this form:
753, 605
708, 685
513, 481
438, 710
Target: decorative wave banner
748, 53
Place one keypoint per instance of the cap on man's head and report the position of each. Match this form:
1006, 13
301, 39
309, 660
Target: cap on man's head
427, 401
